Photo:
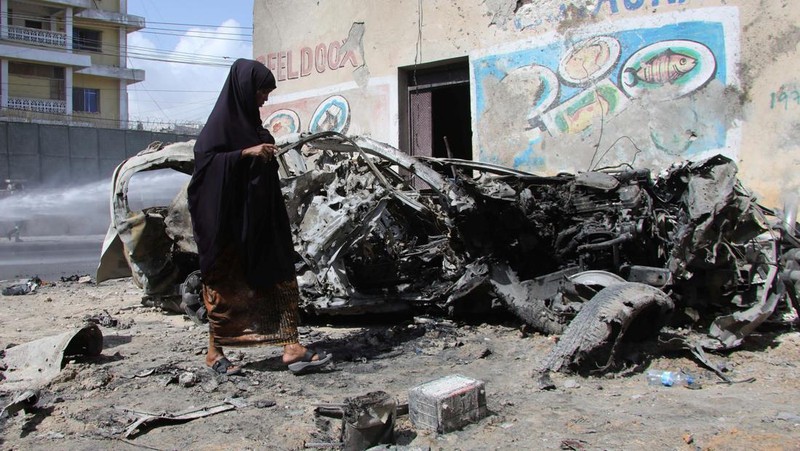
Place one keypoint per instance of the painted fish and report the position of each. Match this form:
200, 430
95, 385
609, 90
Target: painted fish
666, 67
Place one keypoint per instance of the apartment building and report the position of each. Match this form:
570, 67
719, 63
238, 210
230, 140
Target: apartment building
64, 61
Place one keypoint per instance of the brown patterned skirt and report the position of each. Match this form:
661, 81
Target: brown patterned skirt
239, 315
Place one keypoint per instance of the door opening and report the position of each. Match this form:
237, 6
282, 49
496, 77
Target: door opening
440, 120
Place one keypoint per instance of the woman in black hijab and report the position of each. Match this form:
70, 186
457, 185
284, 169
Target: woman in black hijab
242, 229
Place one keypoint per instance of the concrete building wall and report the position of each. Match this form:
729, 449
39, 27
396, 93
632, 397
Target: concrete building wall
4, 160
59, 155
108, 5
55, 156
109, 96
555, 85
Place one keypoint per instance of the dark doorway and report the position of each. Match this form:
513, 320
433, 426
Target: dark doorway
440, 120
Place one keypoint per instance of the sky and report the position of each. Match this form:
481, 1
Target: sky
205, 31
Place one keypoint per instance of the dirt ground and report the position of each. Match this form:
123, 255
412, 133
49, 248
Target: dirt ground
92, 402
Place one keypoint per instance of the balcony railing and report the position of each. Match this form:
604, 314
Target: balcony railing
36, 36
39, 105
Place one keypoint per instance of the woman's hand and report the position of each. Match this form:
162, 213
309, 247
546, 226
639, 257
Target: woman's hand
265, 151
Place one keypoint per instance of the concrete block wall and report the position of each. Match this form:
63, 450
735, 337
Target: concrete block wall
48, 155
4, 161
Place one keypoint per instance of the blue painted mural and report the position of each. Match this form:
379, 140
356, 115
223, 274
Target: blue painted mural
611, 7
575, 86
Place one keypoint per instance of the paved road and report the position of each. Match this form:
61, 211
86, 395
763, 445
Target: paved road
49, 257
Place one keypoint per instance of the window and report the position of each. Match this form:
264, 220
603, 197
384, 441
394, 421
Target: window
35, 70
84, 39
53, 74
86, 100
33, 24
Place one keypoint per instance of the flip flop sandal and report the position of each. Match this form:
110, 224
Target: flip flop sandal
306, 364
222, 365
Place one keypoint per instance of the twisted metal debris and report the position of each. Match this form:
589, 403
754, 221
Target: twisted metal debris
690, 246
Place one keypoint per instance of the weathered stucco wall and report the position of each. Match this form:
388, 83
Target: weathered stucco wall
556, 85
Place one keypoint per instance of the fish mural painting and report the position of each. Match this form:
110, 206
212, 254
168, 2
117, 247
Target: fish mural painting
665, 67
605, 82
668, 69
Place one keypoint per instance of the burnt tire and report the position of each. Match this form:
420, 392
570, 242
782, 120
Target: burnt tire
628, 309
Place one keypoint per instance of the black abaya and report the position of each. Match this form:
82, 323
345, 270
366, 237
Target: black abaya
236, 202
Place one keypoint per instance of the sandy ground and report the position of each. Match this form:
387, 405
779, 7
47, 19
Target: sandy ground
91, 403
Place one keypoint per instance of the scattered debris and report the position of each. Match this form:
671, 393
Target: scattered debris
150, 420
574, 444
80, 278
34, 364
367, 421
106, 320
192, 298
23, 287
787, 416
187, 379
447, 404
24, 401
264, 403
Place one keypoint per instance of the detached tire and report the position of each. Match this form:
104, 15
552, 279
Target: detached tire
629, 309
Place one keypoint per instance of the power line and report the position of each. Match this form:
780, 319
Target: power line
59, 20
205, 34
191, 32
197, 25
10, 83
218, 61
214, 32
146, 51
154, 54
99, 43
154, 101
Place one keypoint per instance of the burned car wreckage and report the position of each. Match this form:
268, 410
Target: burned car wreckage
596, 256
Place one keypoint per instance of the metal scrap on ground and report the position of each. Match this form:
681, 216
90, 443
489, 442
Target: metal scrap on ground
149, 420
34, 364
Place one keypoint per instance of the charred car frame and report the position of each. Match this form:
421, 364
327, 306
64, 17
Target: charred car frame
594, 256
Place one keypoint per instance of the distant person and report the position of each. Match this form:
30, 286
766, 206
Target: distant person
242, 228
15, 232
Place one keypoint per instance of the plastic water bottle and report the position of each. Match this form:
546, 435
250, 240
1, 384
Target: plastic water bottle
670, 378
